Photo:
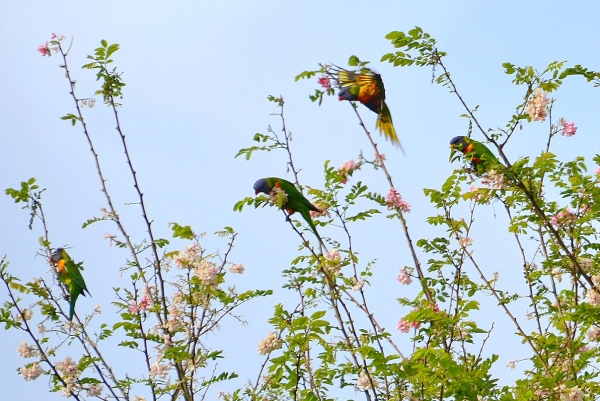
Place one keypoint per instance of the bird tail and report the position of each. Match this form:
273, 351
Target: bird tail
386, 127
72, 306
306, 215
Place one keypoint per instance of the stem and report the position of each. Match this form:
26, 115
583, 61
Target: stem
413, 252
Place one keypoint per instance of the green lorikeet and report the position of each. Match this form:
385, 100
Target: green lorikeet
367, 88
295, 202
70, 275
477, 153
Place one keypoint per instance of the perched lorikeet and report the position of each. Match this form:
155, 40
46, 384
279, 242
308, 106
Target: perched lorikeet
70, 275
367, 88
477, 153
296, 202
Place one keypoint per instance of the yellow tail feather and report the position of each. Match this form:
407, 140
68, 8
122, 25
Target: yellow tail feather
385, 126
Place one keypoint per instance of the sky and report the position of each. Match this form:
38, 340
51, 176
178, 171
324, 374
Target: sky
198, 75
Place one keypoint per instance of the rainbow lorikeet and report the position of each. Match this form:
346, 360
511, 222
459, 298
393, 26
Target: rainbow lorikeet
295, 201
367, 88
70, 275
477, 153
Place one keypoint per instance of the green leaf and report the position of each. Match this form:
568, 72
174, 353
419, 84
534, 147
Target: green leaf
184, 232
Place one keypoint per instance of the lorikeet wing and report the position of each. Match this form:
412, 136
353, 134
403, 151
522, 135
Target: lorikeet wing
367, 88
296, 202
477, 153
69, 273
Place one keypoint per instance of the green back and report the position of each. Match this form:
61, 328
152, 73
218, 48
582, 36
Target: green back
296, 201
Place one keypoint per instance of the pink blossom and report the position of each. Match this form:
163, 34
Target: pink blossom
141, 306
68, 367
597, 171
436, 308
593, 334
592, 297
536, 107
44, 49
94, 390
207, 272
569, 129
333, 255
563, 217
404, 277
27, 351
32, 373
324, 82
346, 170
394, 201
144, 303
160, 369
403, 326
348, 166
379, 159
133, 308
53, 36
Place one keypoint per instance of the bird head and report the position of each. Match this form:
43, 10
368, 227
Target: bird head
459, 143
261, 186
56, 255
345, 94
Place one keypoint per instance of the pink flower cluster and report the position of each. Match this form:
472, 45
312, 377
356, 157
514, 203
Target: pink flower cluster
563, 217
27, 351
44, 49
159, 369
569, 129
395, 201
346, 170
536, 109
31, 373
207, 272
404, 325
269, 344
136, 307
189, 257
325, 82
592, 297
379, 159
70, 373
53, 45
404, 277
593, 334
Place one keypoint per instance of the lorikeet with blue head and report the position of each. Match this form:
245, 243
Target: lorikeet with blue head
477, 153
367, 88
70, 275
295, 201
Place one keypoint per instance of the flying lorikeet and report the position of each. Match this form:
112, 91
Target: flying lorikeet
295, 202
367, 88
69, 274
477, 153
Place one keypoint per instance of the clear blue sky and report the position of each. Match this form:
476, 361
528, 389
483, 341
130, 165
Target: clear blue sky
198, 74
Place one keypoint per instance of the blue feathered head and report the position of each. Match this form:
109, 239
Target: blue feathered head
458, 142
261, 186
345, 94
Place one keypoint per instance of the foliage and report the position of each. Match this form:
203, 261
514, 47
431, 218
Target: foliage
329, 344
